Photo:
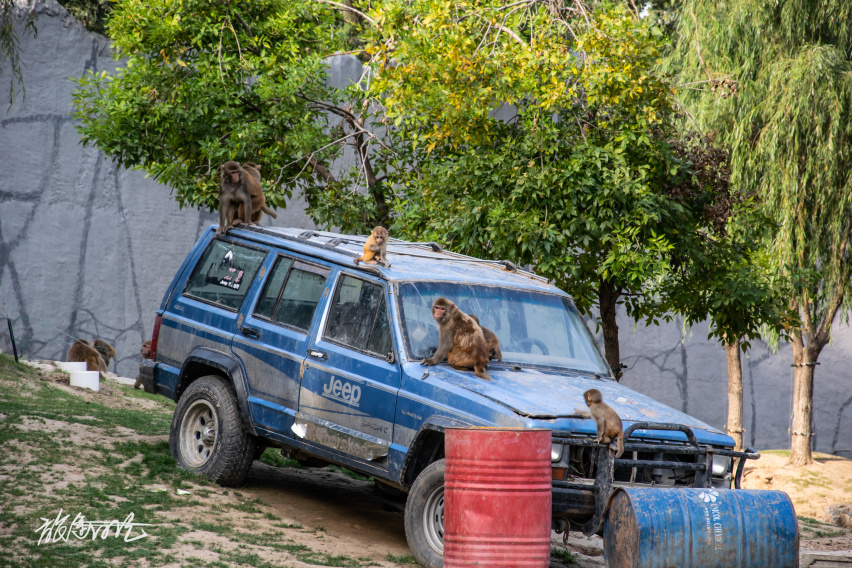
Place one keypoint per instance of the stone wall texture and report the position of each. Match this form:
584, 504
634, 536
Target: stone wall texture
87, 250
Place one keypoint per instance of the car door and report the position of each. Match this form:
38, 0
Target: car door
349, 388
273, 336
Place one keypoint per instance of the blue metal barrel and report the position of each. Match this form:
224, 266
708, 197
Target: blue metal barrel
706, 528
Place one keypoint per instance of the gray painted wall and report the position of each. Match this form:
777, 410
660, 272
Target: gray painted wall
87, 250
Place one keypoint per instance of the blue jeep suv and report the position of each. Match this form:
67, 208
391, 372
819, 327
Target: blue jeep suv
274, 337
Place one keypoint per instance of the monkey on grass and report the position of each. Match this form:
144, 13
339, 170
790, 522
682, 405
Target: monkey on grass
491, 340
258, 200
460, 340
375, 249
106, 350
82, 351
146, 354
235, 186
608, 423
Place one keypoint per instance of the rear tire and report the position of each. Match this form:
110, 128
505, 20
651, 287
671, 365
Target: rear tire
424, 516
208, 435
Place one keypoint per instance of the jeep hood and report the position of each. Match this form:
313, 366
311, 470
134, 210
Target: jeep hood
543, 394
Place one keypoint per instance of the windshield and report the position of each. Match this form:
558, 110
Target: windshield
533, 328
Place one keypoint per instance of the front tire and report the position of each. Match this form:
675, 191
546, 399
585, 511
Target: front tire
424, 516
208, 435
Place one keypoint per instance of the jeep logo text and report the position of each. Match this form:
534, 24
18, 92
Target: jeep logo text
344, 392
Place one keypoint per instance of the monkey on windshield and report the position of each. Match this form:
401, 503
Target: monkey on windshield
460, 340
375, 249
608, 423
491, 340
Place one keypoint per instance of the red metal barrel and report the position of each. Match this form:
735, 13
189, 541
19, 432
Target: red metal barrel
497, 498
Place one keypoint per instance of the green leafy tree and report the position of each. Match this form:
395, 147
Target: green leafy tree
773, 80
207, 82
732, 285
580, 180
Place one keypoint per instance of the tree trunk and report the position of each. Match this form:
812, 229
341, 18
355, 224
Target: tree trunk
803, 405
608, 294
735, 392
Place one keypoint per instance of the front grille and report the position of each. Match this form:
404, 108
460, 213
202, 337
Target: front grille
649, 461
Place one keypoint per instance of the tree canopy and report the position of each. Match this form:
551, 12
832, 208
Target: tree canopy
537, 131
203, 83
773, 81
577, 174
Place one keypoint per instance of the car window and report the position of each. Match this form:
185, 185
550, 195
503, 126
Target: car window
291, 293
273, 288
223, 274
359, 317
533, 328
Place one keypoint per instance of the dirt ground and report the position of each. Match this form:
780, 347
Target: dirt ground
812, 489
341, 515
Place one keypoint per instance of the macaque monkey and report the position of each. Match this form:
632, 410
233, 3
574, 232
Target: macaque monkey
258, 200
106, 350
608, 422
146, 354
81, 351
460, 339
234, 191
375, 249
491, 340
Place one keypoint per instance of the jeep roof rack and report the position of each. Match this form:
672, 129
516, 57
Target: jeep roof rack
338, 242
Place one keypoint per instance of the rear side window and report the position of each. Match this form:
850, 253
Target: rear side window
224, 274
359, 317
291, 293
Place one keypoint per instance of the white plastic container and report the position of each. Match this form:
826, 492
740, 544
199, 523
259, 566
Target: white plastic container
86, 379
72, 366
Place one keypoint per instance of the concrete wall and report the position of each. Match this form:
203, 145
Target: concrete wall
87, 250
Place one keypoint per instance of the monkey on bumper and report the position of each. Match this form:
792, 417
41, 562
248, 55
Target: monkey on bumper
608, 423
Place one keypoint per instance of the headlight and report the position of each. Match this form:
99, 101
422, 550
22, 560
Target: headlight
720, 465
555, 452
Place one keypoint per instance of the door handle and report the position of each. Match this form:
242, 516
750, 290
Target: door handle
317, 354
250, 331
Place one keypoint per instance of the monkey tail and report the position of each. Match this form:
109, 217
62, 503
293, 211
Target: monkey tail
620, 445
357, 260
269, 211
479, 371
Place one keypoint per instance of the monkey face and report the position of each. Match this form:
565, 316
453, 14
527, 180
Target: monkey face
438, 312
235, 177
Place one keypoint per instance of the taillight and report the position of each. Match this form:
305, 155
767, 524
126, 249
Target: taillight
155, 336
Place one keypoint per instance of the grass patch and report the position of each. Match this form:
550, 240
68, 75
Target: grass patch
41, 399
350, 473
273, 457
401, 559
563, 555
102, 473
